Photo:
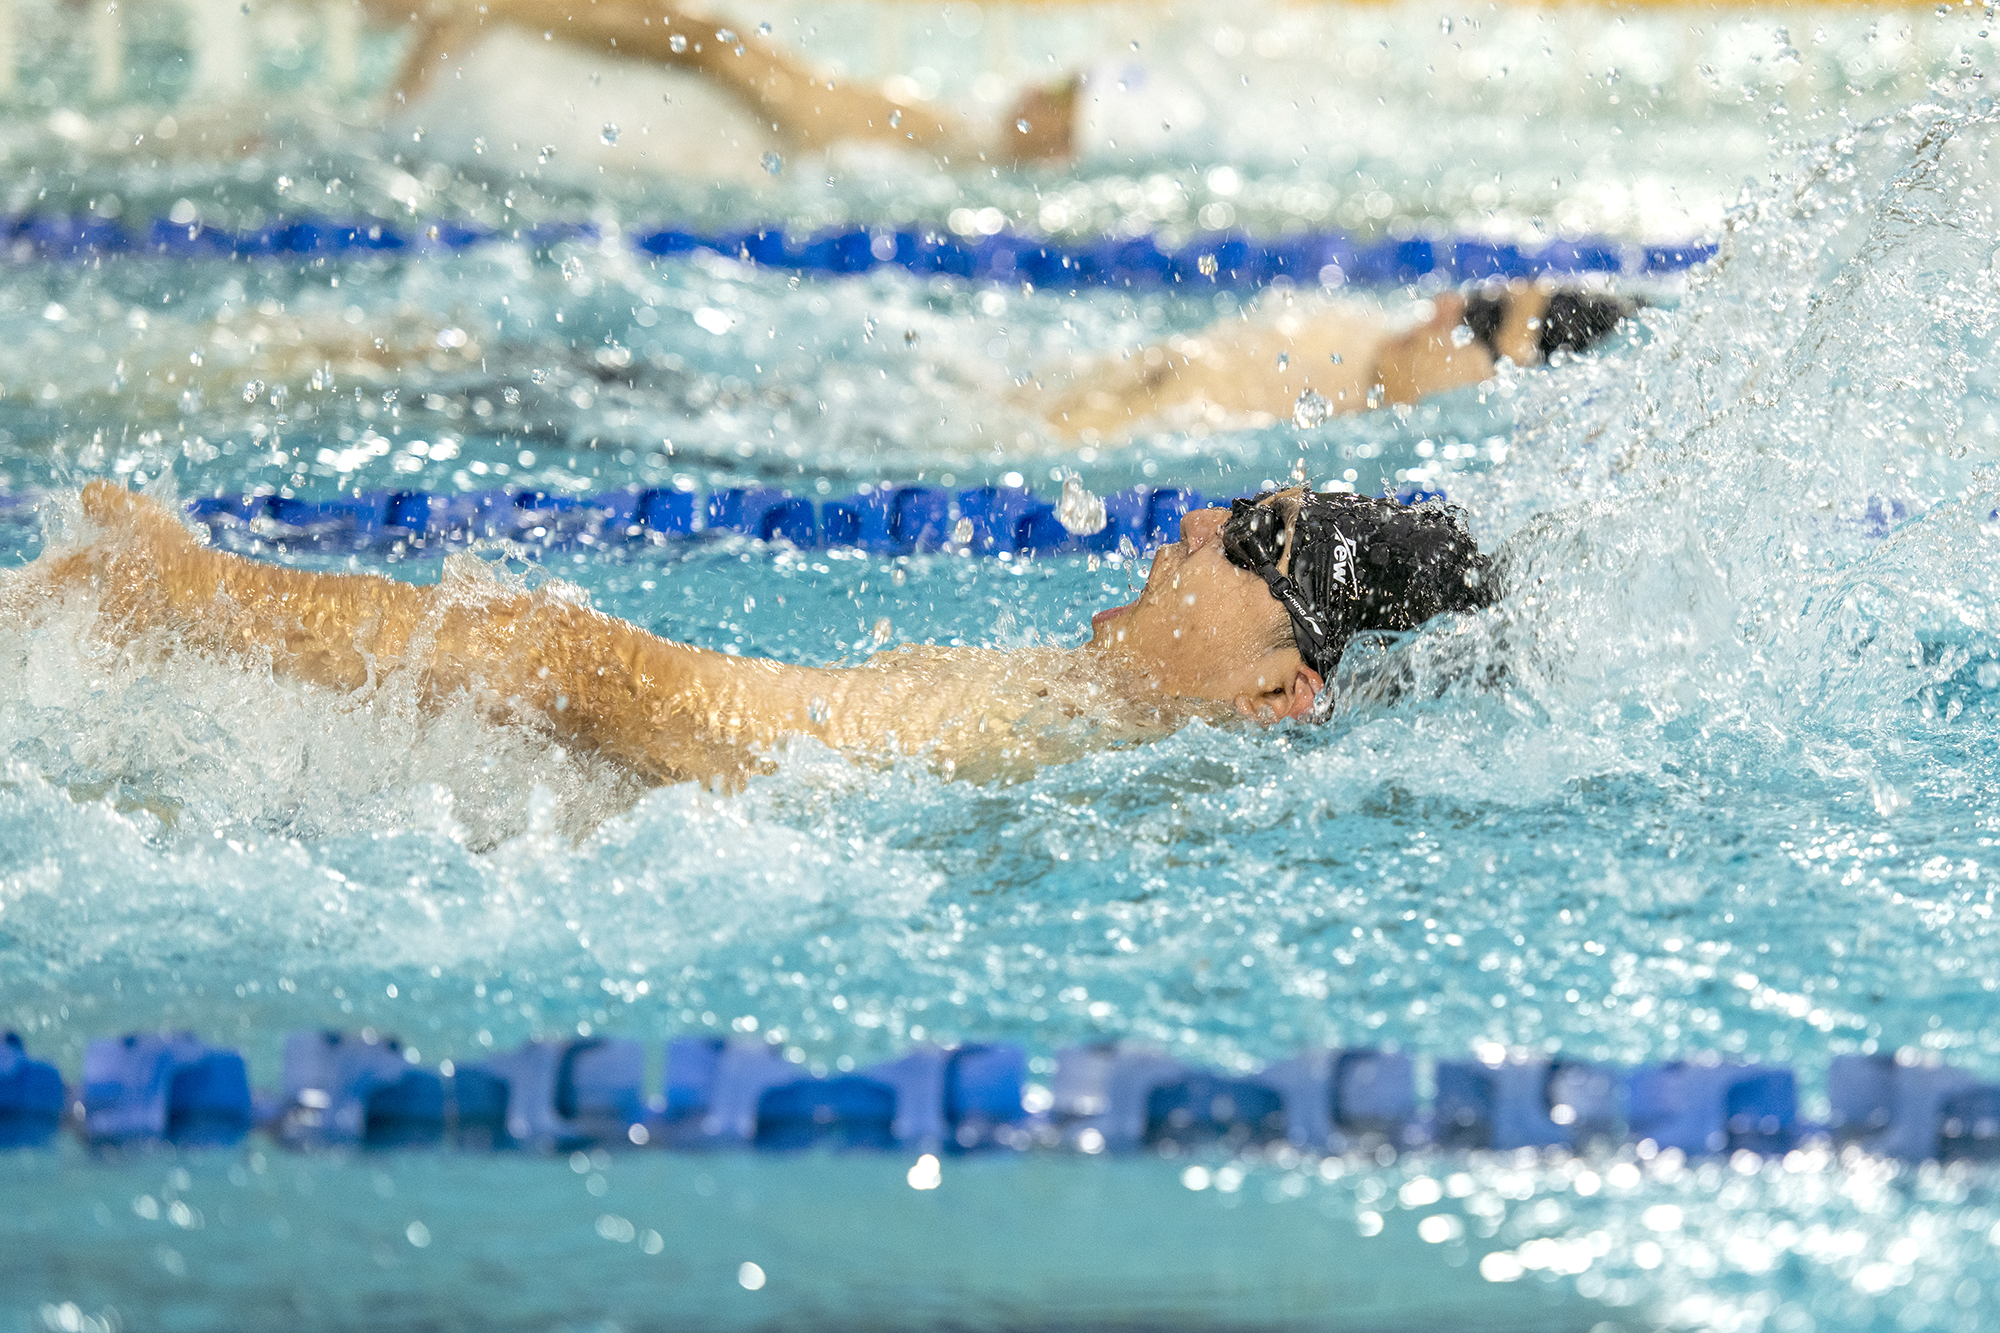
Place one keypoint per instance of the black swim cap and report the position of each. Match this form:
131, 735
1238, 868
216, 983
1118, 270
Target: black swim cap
1579, 321
1359, 565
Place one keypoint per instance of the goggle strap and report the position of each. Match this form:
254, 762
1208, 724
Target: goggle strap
1305, 625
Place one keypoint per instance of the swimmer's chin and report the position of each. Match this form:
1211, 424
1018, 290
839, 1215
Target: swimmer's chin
1105, 617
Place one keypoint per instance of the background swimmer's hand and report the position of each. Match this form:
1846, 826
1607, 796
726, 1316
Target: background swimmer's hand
1049, 112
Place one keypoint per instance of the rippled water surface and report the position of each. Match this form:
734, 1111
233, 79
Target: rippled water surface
1718, 775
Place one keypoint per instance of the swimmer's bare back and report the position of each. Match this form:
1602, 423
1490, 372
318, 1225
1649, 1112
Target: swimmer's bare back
667, 711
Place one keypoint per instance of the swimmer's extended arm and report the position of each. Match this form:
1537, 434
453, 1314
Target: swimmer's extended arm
666, 710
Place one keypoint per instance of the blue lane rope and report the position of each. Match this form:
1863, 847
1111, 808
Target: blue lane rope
894, 520
999, 521
900, 520
361, 1090
1210, 260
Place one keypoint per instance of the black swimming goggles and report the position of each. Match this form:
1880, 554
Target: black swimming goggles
1254, 538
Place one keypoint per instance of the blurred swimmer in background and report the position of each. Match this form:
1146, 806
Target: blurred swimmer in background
1346, 355
1246, 616
697, 94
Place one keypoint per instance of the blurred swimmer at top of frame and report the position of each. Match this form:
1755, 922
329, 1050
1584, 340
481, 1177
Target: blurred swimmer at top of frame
1246, 616
699, 93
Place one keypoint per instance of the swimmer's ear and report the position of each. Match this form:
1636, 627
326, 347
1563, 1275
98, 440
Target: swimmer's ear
1295, 700
1303, 695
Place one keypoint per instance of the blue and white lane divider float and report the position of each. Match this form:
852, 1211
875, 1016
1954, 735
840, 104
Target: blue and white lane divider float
900, 520
1000, 521
1211, 260
348, 1090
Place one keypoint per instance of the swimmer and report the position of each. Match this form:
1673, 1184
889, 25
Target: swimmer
1256, 372
802, 105
1245, 617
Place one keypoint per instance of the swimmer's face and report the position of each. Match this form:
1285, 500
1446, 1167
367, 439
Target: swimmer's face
1204, 629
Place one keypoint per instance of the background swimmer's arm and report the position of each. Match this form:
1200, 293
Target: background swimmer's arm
1233, 367
798, 101
1430, 358
438, 39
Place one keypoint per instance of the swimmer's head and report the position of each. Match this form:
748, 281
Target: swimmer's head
1255, 604
1530, 324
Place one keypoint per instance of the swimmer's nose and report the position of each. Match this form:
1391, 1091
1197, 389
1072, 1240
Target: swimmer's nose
1199, 528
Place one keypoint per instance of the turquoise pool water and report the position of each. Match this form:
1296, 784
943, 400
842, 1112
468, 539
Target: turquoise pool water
1733, 791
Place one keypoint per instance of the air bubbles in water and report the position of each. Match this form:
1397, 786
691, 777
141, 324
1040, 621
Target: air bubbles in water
773, 163
609, 134
253, 391
1311, 411
1080, 511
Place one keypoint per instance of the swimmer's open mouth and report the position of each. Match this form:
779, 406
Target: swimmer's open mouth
1110, 613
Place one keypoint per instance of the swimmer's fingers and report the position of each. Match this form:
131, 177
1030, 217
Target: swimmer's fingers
1049, 117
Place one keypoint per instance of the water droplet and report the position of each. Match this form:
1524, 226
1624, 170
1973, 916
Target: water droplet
895, 119
609, 134
818, 710
253, 391
763, 30
1311, 411
909, 337
1298, 477
677, 43
1022, 125
961, 532
548, 151
1461, 335
1079, 510
880, 634
1207, 265
727, 36
1284, 360
1336, 358
773, 163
